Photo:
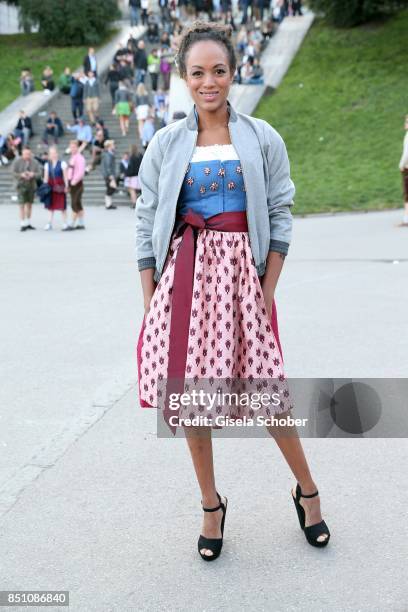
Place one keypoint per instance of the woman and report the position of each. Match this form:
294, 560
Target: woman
56, 175
209, 279
142, 104
122, 108
131, 174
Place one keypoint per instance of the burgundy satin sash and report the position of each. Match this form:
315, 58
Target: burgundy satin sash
182, 295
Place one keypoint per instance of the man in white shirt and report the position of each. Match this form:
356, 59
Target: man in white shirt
403, 166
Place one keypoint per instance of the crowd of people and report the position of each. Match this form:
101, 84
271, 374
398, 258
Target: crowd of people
138, 81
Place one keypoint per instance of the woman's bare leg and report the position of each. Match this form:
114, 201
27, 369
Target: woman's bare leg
289, 443
132, 193
200, 444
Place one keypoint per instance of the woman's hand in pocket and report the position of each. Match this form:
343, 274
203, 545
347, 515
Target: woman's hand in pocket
147, 301
149, 287
268, 298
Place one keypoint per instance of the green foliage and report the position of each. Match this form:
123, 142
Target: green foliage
70, 22
340, 110
18, 51
344, 13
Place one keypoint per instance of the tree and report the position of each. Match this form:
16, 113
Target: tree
69, 22
344, 13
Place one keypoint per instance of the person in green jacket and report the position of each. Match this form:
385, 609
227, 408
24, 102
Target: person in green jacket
153, 67
64, 81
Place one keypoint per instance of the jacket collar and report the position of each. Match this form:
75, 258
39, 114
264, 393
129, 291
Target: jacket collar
192, 117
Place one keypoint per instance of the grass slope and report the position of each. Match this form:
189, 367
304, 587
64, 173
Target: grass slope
340, 110
18, 51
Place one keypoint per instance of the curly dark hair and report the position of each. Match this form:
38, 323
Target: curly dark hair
204, 30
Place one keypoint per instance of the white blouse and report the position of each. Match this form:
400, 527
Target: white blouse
64, 165
216, 151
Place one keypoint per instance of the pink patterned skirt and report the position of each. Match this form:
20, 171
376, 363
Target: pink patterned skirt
230, 333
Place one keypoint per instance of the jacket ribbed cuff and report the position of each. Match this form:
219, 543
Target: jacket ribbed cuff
279, 246
146, 262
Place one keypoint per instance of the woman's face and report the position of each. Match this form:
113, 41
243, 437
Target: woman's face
208, 74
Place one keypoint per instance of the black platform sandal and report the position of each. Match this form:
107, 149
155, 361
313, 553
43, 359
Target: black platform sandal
312, 532
213, 544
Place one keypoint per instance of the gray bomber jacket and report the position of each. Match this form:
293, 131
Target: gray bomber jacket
266, 173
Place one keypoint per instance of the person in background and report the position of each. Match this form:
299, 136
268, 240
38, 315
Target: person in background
144, 5
4, 160
161, 106
148, 131
132, 183
90, 63
142, 104
100, 125
97, 150
152, 27
112, 79
24, 128
47, 80
64, 81
297, 7
108, 167
76, 173
123, 164
83, 133
77, 95
403, 166
13, 143
56, 175
252, 72
42, 157
121, 51
140, 62
26, 82
122, 108
26, 171
134, 6
165, 67
164, 12
91, 96
53, 127
125, 73
153, 68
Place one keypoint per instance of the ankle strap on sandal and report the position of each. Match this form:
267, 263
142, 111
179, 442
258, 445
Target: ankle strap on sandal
213, 509
300, 494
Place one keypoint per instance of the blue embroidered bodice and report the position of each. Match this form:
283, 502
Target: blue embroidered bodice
213, 186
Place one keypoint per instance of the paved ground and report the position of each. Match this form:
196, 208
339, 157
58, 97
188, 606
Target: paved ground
92, 502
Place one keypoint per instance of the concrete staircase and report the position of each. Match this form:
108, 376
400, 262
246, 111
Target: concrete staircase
94, 183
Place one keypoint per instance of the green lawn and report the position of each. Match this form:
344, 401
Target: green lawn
18, 51
340, 110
